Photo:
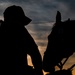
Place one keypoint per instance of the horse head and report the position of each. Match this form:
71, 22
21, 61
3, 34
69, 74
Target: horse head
61, 43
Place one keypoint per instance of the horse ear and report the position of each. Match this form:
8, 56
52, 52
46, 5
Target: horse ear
68, 19
58, 17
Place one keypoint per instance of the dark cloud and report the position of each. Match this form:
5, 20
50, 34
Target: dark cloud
12, 0
40, 31
44, 10
70, 3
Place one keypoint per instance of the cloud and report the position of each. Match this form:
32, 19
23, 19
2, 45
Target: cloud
69, 3
40, 33
38, 30
43, 10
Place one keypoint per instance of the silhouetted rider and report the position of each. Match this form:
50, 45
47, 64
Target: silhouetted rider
17, 43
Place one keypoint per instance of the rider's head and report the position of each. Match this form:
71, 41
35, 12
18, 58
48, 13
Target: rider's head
16, 14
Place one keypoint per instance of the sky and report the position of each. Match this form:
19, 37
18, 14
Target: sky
43, 13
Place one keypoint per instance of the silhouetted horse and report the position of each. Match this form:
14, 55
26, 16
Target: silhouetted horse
61, 44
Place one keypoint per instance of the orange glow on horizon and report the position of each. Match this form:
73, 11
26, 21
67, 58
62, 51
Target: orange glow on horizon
65, 67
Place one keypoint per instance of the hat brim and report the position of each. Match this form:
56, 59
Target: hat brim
27, 20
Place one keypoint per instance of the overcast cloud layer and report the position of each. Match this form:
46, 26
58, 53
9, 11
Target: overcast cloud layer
43, 10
